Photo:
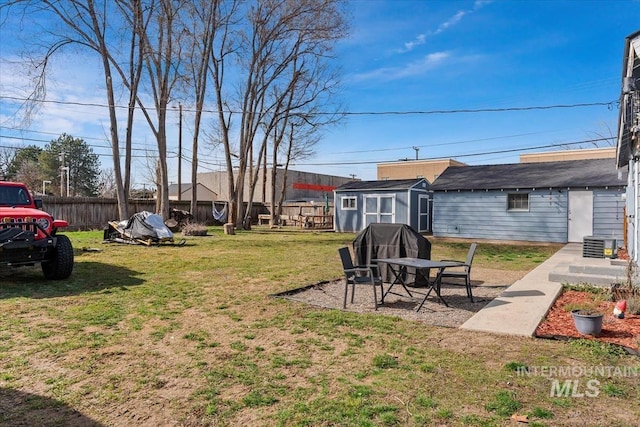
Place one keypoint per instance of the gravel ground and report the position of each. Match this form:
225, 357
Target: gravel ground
433, 312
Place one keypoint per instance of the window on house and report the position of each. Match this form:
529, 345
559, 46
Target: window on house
349, 203
518, 202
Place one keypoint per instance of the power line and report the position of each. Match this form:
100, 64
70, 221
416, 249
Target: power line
487, 110
221, 162
513, 150
84, 138
466, 141
47, 141
43, 133
170, 154
608, 104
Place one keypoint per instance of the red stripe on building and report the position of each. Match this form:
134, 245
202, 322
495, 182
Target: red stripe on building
314, 187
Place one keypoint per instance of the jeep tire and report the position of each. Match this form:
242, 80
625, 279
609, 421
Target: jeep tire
60, 263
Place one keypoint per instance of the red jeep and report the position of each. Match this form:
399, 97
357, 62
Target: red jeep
28, 234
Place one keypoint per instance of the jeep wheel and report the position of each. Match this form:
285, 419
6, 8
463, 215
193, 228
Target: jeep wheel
60, 264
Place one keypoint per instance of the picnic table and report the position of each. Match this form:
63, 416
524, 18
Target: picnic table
264, 217
315, 221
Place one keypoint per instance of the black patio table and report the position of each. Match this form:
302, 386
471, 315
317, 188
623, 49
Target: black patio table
398, 267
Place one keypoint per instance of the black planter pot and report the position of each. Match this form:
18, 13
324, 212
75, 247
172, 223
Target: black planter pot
587, 323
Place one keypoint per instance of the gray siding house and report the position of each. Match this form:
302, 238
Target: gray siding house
628, 144
561, 202
398, 201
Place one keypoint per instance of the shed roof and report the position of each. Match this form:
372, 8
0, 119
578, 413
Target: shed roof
562, 174
388, 184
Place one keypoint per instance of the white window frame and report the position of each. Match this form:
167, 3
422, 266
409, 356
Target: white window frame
345, 205
521, 197
391, 215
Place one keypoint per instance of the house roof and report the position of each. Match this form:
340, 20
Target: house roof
562, 174
388, 184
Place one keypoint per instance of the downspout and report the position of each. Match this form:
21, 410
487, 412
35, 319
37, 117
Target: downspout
635, 211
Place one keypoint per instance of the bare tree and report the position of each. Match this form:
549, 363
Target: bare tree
132, 13
7, 154
225, 45
261, 56
30, 173
280, 39
150, 170
15, 156
304, 106
297, 143
88, 24
107, 183
161, 41
207, 20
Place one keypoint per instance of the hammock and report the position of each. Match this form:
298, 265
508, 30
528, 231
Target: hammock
220, 216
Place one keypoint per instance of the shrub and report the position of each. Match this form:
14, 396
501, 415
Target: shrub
633, 305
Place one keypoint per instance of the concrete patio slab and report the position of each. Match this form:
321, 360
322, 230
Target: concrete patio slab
521, 307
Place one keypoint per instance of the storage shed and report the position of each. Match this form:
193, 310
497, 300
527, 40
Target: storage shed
561, 202
399, 201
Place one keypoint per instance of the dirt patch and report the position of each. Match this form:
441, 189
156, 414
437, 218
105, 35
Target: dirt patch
559, 323
486, 285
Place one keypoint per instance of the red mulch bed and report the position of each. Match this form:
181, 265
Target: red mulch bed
559, 323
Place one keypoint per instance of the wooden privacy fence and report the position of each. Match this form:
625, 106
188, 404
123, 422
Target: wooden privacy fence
93, 213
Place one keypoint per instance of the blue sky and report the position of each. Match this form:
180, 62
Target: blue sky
409, 55
404, 56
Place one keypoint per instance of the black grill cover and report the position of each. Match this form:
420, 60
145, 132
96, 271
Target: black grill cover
390, 241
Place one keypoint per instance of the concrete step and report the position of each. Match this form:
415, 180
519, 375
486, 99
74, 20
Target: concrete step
564, 275
599, 270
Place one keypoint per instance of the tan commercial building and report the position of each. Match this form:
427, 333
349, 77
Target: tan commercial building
409, 169
559, 156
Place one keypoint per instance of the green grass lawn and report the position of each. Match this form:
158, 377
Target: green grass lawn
190, 335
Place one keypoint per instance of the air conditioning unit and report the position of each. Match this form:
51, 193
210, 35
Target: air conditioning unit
598, 247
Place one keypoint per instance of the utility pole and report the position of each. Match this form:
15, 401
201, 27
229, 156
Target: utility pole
66, 169
180, 152
61, 158
264, 178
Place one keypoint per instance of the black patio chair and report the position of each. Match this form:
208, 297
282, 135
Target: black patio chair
359, 275
462, 271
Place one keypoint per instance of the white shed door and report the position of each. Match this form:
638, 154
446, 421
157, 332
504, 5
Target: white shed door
378, 208
580, 215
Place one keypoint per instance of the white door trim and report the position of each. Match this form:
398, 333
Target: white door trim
422, 214
580, 215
